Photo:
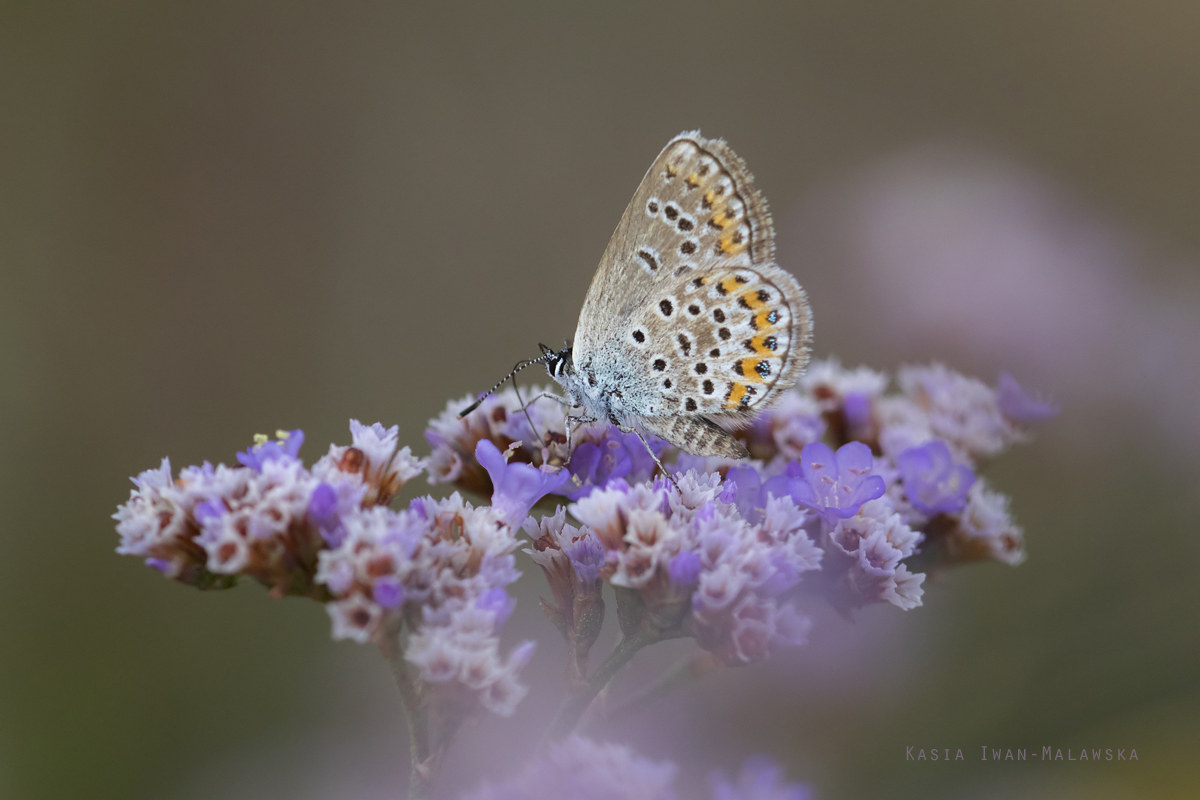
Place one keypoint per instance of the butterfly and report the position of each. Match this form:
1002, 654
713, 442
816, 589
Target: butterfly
689, 328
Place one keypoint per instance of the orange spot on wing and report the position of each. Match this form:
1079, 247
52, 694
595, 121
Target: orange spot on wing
693, 180
710, 197
728, 245
729, 284
763, 318
760, 346
735, 396
751, 300
721, 219
747, 369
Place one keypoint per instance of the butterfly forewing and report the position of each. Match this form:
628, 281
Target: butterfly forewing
687, 300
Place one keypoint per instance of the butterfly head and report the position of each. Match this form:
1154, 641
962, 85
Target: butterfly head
558, 362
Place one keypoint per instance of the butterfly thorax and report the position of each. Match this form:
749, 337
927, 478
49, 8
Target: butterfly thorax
597, 393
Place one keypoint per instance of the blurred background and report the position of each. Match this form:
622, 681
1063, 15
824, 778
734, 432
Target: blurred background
221, 218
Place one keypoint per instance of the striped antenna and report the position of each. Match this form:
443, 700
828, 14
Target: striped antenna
520, 366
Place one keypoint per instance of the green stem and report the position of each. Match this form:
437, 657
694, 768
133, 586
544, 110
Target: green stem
581, 696
423, 769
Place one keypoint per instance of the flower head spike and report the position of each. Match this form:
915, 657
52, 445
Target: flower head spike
986, 529
934, 483
516, 487
587, 557
286, 445
835, 487
964, 412
1017, 404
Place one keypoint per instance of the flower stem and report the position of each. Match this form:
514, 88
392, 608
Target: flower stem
581, 696
691, 670
423, 767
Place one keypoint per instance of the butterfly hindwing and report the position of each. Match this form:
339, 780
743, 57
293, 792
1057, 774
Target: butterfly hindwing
696, 435
739, 339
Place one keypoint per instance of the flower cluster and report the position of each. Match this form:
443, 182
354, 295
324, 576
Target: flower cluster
266, 519
437, 569
857, 484
580, 768
572, 560
685, 562
533, 432
500, 420
885, 475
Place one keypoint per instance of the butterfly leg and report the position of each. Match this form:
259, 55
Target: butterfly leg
572, 422
661, 468
546, 439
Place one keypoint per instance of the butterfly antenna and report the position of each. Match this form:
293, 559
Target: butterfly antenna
520, 366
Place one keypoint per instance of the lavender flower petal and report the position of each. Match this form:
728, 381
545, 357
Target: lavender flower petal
684, 569
1017, 404
933, 482
516, 487
499, 603
388, 591
287, 446
834, 486
617, 455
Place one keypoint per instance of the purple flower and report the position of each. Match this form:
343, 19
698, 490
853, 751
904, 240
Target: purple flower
323, 510
744, 489
617, 455
287, 446
159, 564
498, 602
835, 487
388, 592
1017, 404
933, 481
208, 510
322, 506
759, 779
684, 569
516, 487
587, 556
856, 408
783, 576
